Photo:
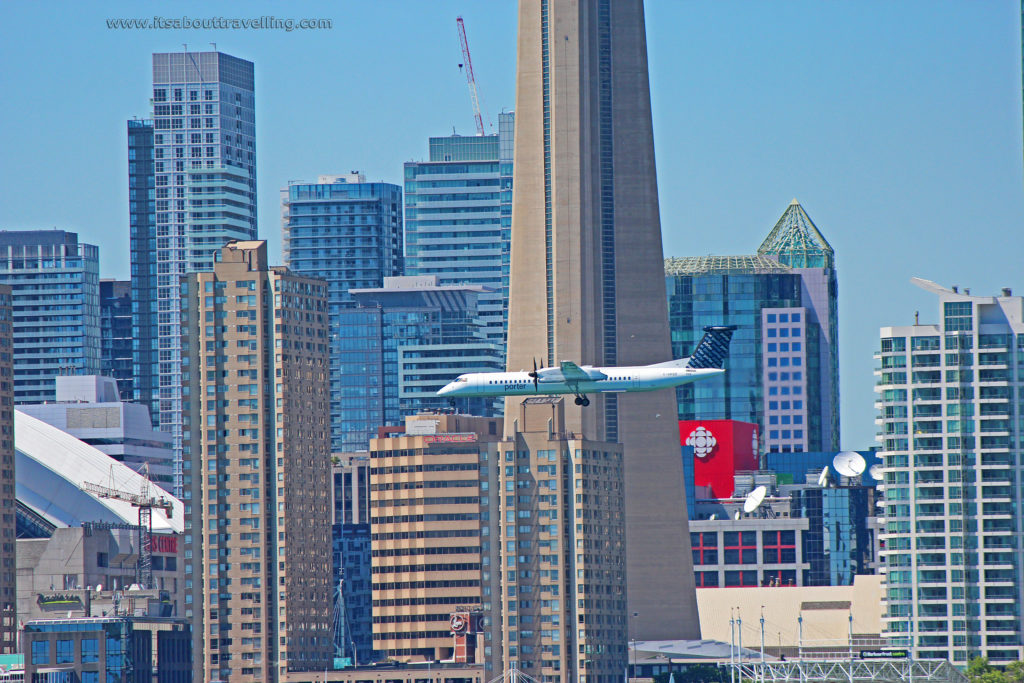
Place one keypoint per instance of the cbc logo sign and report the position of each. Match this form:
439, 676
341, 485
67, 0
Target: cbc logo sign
703, 442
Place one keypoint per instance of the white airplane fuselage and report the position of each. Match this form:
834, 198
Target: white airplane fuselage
618, 379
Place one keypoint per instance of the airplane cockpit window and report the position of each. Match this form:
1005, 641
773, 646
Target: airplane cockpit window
461, 379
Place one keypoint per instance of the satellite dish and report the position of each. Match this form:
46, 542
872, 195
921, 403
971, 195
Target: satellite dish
713, 517
849, 463
737, 514
99, 587
880, 503
876, 472
754, 499
823, 477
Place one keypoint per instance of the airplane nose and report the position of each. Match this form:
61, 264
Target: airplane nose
446, 389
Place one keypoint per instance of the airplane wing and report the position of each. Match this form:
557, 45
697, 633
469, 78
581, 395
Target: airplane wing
574, 373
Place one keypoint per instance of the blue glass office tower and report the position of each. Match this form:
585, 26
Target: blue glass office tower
401, 344
192, 185
783, 366
347, 232
116, 335
458, 216
55, 288
142, 245
351, 560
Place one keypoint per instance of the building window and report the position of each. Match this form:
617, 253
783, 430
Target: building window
65, 651
40, 651
740, 548
741, 578
705, 547
779, 547
90, 650
707, 579
958, 315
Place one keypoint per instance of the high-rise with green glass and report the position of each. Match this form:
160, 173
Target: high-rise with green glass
783, 366
458, 216
951, 416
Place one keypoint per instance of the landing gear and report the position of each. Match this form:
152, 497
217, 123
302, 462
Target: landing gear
582, 401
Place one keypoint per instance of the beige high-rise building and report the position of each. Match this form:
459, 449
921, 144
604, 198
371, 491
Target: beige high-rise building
257, 469
8, 570
434, 535
586, 281
563, 553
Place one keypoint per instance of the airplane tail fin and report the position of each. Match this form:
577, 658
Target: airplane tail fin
713, 347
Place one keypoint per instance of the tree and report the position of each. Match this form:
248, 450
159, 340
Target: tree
1015, 672
980, 671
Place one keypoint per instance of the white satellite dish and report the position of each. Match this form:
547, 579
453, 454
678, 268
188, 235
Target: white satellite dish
736, 515
713, 517
849, 463
754, 499
876, 472
99, 587
823, 477
880, 503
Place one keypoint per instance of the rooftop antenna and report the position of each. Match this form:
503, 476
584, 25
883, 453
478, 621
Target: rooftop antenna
823, 477
849, 463
754, 499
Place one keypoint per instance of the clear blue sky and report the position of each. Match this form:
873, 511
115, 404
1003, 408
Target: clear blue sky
896, 125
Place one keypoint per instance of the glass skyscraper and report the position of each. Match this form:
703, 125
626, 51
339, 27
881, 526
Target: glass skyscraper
55, 289
192, 187
347, 232
951, 416
401, 344
458, 216
783, 365
116, 335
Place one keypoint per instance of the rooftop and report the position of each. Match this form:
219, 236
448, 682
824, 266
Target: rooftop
723, 265
796, 241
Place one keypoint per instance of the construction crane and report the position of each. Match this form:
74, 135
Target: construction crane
470, 78
145, 502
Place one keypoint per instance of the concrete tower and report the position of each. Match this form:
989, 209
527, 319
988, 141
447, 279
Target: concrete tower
586, 280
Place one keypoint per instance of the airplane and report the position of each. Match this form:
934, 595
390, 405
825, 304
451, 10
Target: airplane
570, 378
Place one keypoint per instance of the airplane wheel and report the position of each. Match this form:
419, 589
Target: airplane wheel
586, 402
579, 401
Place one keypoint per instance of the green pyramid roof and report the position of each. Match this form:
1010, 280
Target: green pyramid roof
796, 242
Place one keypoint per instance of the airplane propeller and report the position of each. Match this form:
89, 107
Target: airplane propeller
534, 376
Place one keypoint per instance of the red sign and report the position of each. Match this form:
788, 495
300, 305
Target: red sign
449, 438
721, 448
165, 544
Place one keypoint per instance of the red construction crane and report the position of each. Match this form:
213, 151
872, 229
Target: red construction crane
470, 78
145, 502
